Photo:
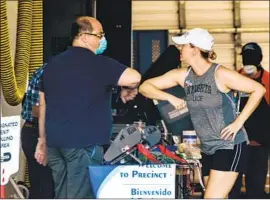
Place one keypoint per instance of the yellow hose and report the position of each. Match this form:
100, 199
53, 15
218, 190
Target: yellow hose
36, 55
29, 51
13, 78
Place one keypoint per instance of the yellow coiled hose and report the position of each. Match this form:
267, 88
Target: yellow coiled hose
29, 49
36, 55
13, 78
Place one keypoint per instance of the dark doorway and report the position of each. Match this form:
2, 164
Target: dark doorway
58, 16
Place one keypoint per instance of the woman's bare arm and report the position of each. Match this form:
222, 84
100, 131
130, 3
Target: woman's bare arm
152, 88
232, 80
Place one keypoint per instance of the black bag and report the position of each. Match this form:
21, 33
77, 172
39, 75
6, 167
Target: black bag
176, 120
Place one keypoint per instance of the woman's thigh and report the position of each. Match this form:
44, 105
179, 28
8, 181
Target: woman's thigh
220, 184
225, 167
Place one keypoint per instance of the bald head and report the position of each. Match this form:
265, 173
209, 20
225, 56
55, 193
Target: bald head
87, 32
85, 24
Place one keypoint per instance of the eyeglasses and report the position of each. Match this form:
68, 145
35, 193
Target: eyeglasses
100, 35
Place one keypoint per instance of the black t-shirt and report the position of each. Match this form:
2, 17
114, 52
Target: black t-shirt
78, 102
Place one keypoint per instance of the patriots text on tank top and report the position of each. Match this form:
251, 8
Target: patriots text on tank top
210, 111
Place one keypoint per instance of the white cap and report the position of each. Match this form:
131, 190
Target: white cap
198, 37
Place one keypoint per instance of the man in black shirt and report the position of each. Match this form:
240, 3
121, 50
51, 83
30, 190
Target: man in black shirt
77, 105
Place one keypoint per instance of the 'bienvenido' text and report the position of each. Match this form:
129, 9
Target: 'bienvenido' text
159, 192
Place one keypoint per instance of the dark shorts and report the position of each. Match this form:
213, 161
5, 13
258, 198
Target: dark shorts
234, 160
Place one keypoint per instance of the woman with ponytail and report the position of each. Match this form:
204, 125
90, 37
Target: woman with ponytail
209, 91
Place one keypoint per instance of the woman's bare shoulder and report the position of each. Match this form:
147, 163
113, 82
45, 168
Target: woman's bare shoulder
179, 75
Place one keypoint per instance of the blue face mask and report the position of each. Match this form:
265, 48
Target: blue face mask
102, 46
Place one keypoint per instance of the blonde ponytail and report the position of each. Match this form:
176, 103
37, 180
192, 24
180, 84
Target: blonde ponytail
212, 55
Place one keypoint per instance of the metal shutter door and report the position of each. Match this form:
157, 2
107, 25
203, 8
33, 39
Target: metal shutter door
154, 15
209, 14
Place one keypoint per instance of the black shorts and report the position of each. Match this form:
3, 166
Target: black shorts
234, 160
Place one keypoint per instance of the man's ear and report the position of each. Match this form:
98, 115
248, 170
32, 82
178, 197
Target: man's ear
83, 37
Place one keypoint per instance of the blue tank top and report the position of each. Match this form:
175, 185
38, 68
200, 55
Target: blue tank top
210, 111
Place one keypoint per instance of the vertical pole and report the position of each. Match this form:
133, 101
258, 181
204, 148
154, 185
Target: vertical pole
94, 11
237, 35
182, 18
182, 14
237, 51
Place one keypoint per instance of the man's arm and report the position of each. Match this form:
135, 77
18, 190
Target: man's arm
42, 114
41, 154
130, 81
35, 111
118, 74
130, 78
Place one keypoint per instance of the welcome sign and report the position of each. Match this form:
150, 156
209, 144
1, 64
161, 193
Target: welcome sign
133, 181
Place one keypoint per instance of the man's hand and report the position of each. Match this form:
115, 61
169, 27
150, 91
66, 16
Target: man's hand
41, 152
128, 94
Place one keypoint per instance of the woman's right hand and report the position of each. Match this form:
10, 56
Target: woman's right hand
177, 102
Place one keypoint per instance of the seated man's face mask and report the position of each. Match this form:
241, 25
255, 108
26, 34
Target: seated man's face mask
250, 62
250, 69
102, 45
